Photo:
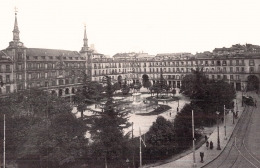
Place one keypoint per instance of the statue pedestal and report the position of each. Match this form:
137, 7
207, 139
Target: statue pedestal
136, 98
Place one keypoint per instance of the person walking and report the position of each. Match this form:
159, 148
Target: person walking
207, 145
206, 138
211, 145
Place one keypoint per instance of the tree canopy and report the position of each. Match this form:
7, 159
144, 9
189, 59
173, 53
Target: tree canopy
107, 132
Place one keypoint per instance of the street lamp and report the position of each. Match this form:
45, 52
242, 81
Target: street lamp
225, 123
218, 147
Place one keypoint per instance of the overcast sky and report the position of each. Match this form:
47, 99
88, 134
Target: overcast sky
152, 26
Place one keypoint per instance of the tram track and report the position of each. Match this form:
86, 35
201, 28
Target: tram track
236, 154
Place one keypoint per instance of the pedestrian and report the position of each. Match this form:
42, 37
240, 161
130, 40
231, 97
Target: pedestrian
201, 156
211, 145
207, 145
222, 119
206, 138
170, 114
177, 109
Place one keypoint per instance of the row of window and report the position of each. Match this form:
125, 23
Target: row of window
5, 68
20, 56
38, 75
231, 77
177, 70
178, 63
49, 65
49, 83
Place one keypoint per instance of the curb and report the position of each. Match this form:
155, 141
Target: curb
226, 144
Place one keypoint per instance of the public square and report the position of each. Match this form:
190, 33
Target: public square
144, 122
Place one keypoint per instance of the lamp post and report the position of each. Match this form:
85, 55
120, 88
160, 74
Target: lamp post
193, 140
218, 146
225, 123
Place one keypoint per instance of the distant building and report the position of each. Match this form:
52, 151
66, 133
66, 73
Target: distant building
237, 49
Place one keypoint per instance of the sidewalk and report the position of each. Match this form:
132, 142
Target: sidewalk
210, 154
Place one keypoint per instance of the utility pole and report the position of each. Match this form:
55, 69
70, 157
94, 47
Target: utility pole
140, 147
193, 141
133, 143
4, 144
225, 123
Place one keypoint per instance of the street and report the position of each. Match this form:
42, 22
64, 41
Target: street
242, 149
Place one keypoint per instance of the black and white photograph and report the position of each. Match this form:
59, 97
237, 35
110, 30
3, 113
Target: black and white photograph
129, 84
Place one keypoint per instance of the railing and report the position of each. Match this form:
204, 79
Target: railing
5, 70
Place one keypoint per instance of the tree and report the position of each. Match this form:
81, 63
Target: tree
36, 122
125, 89
119, 80
209, 95
193, 84
116, 86
160, 140
156, 88
183, 124
147, 84
107, 132
93, 90
145, 78
253, 83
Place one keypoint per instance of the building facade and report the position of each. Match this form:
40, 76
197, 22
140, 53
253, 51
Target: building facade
234, 69
62, 72
57, 71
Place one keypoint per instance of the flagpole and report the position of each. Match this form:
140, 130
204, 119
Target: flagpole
4, 144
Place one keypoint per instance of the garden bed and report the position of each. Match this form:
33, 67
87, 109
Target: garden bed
157, 111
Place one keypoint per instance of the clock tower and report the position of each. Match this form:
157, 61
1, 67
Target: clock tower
17, 52
16, 39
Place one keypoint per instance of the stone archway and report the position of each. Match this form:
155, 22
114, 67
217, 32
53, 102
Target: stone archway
53, 92
67, 91
60, 92
252, 83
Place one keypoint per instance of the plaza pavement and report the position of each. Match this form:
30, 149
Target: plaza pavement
144, 122
209, 154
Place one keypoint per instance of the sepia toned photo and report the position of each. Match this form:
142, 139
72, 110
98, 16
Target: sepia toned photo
129, 84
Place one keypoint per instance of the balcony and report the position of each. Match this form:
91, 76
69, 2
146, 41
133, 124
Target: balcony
9, 81
5, 70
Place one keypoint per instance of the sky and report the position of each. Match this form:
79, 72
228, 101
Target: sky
150, 26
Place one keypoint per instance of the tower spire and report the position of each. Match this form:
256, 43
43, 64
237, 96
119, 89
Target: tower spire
85, 36
16, 29
85, 40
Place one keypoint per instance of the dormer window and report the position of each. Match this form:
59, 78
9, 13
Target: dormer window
77, 58
64, 58
51, 57
43, 57
35, 57
70, 58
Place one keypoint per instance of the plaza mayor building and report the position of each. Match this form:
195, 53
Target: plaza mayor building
57, 71
62, 72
